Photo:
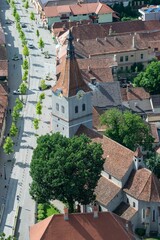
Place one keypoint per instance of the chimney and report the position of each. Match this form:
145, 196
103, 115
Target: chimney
66, 217
95, 212
134, 41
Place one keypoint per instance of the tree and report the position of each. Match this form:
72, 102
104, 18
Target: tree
18, 27
17, 17
13, 130
36, 123
126, 128
41, 44
24, 41
39, 108
15, 114
25, 65
66, 169
43, 84
19, 104
14, 11
153, 163
37, 33
41, 97
25, 76
25, 51
8, 146
3, 237
32, 16
22, 35
149, 78
26, 5
23, 88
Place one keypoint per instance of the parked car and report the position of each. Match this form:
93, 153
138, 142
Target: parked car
47, 87
16, 92
24, 25
30, 45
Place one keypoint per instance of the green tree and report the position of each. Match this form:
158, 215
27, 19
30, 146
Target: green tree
14, 11
23, 88
36, 123
22, 35
17, 17
26, 5
126, 128
25, 51
3, 237
15, 114
25, 65
39, 108
12, 4
41, 44
66, 169
149, 78
18, 27
153, 163
32, 16
43, 84
24, 41
41, 97
25, 76
37, 33
19, 105
13, 130
8, 145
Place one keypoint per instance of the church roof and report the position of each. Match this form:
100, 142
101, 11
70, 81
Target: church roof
70, 80
143, 185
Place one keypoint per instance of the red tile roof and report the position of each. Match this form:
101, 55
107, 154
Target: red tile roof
82, 226
77, 9
143, 185
105, 191
118, 158
3, 68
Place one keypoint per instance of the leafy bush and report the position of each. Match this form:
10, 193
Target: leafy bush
41, 216
140, 231
40, 211
40, 206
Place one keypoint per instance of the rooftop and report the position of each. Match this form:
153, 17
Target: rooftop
125, 210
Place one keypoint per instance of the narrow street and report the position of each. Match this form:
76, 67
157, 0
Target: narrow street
16, 172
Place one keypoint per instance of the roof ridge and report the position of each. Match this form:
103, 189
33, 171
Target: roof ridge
47, 227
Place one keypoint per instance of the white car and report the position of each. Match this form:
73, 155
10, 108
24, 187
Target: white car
30, 45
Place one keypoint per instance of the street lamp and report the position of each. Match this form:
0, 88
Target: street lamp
5, 171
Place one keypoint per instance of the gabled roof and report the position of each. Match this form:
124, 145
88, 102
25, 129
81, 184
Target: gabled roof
105, 191
77, 9
70, 80
143, 185
82, 226
118, 158
125, 211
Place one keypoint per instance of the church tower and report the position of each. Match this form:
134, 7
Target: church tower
71, 98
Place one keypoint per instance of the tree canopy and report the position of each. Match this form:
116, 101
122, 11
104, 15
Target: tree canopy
126, 128
153, 163
66, 169
149, 78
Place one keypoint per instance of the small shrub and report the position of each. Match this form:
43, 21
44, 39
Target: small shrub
40, 206
40, 211
41, 216
140, 232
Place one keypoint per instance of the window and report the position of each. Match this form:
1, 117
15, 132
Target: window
143, 213
76, 109
141, 56
156, 49
126, 68
127, 200
121, 59
126, 58
57, 106
84, 14
74, 15
134, 204
57, 125
131, 55
62, 109
83, 107
110, 177
153, 215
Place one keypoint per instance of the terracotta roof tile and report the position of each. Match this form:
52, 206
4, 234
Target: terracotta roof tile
96, 113
82, 226
3, 53
143, 185
106, 190
118, 158
137, 93
125, 211
3, 68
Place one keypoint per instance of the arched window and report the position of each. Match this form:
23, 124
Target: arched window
76, 109
83, 107
62, 108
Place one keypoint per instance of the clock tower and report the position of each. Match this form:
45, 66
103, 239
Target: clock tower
71, 98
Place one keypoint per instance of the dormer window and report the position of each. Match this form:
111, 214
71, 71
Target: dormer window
76, 109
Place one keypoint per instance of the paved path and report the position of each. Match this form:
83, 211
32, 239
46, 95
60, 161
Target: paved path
17, 172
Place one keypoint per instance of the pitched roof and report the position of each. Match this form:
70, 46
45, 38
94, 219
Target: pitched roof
82, 226
125, 211
118, 158
77, 9
143, 185
106, 95
105, 191
70, 80
3, 68
135, 93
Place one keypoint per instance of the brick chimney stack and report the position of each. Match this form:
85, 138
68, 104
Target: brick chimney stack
66, 217
95, 212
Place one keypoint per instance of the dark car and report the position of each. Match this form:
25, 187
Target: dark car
24, 25
47, 87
